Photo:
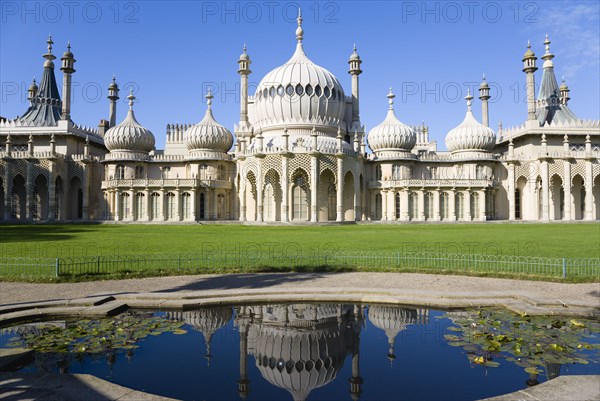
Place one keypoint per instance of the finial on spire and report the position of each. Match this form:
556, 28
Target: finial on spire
354, 47
528, 44
299, 30
391, 97
483, 78
244, 48
69, 45
209, 97
469, 99
50, 43
131, 98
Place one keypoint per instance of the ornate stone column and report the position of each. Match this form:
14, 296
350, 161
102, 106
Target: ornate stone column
436, 205
134, 206
567, 191
148, 199
29, 191
421, 194
242, 199
51, 191
8, 181
452, 205
545, 190
511, 191
404, 205
482, 203
467, 206
340, 189
314, 187
384, 204
589, 194
85, 213
285, 190
118, 205
357, 199
259, 196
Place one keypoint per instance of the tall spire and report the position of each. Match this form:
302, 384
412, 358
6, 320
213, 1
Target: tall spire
49, 56
391, 97
469, 100
209, 97
131, 98
547, 57
299, 30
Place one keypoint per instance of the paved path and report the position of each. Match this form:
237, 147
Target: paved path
579, 294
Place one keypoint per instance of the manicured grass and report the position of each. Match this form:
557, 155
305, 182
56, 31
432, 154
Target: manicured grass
547, 240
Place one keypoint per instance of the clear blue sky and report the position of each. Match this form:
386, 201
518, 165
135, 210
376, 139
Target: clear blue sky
429, 52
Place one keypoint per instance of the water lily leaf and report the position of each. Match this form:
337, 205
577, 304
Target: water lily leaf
180, 331
533, 370
576, 323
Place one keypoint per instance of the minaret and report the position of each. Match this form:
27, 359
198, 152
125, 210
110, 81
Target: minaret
32, 91
244, 70
484, 96
113, 96
529, 68
67, 68
355, 71
564, 92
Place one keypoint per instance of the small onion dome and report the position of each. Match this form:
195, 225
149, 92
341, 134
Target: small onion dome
113, 85
208, 135
33, 87
244, 55
470, 135
68, 53
528, 53
563, 85
129, 135
484, 84
391, 135
354, 55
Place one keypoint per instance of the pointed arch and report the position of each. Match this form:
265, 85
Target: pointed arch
557, 198
578, 197
75, 199
348, 197
18, 194
40, 198
272, 196
327, 196
59, 199
300, 195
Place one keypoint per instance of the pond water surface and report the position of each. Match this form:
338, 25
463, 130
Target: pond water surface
316, 351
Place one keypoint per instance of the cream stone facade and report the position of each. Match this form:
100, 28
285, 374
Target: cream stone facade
299, 153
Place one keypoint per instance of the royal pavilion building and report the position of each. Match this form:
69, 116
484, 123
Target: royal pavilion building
299, 153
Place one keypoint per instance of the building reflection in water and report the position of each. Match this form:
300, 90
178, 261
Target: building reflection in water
301, 347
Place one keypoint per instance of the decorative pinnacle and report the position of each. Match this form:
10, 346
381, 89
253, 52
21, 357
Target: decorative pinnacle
299, 30
69, 45
469, 99
49, 56
209, 97
244, 48
483, 78
391, 97
131, 98
547, 55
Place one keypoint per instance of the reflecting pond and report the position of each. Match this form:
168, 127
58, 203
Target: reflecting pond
316, 351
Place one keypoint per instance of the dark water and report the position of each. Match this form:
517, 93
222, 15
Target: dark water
312, 352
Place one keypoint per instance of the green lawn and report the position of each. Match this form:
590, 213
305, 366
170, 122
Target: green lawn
549, 240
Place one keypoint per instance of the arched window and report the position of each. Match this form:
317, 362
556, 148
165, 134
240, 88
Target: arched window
140, 206
202, 205
155, 206
221, 206
139, 172
517, 203
480, 172
125, 206
300, 204
171, 206
186, 205
269, 203
413, 206
428, 206
120, 172
221, 172
459, 201
396, 172
444, 206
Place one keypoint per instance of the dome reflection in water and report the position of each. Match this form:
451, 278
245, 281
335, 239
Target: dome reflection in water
324, 352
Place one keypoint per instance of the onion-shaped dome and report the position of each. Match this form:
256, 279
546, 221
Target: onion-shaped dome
208, 136
470, 135
298, 92
392, 320
205, 320
484, 84
301, 353
528, 53
129, 136
392, 138
33, 87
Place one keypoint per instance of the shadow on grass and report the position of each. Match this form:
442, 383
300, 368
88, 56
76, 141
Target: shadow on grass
43, 232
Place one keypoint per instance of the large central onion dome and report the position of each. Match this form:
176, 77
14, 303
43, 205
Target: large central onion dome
470, 136
208, 136
298, 92
129, 137
392, 138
